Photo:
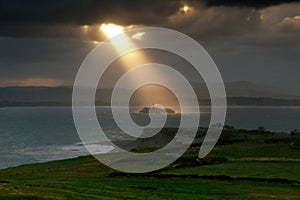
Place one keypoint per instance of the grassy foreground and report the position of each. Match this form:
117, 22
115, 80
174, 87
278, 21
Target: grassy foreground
246, 165
86, 178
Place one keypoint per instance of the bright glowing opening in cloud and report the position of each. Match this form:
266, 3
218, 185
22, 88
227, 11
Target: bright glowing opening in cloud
111, 30
185, 9
121, 41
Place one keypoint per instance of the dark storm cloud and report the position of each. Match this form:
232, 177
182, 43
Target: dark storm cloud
22, 59
248, 3
84, 11
36, 12
44, 41
35, 18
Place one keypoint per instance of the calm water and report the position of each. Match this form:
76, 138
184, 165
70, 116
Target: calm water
29, 135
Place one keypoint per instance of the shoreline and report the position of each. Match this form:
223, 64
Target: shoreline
85, 177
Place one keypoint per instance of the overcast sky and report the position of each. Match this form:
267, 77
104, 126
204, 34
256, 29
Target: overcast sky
44, 42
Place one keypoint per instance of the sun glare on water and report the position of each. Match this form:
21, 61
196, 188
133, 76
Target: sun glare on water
111, 30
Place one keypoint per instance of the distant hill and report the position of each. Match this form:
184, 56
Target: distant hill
239, 93
36, 94
249, 89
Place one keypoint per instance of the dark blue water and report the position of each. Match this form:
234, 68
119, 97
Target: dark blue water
29, 135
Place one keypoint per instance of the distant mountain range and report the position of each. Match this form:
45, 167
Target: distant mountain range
238, 93
274, 90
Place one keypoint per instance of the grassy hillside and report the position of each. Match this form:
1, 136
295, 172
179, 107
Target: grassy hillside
249, 173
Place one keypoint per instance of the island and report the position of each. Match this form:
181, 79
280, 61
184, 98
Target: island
157, 109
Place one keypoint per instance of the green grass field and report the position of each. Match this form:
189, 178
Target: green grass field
86, 178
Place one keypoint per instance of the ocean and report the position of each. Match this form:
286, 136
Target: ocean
40, 134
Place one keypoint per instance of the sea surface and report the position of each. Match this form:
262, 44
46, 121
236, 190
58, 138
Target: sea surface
39, 134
